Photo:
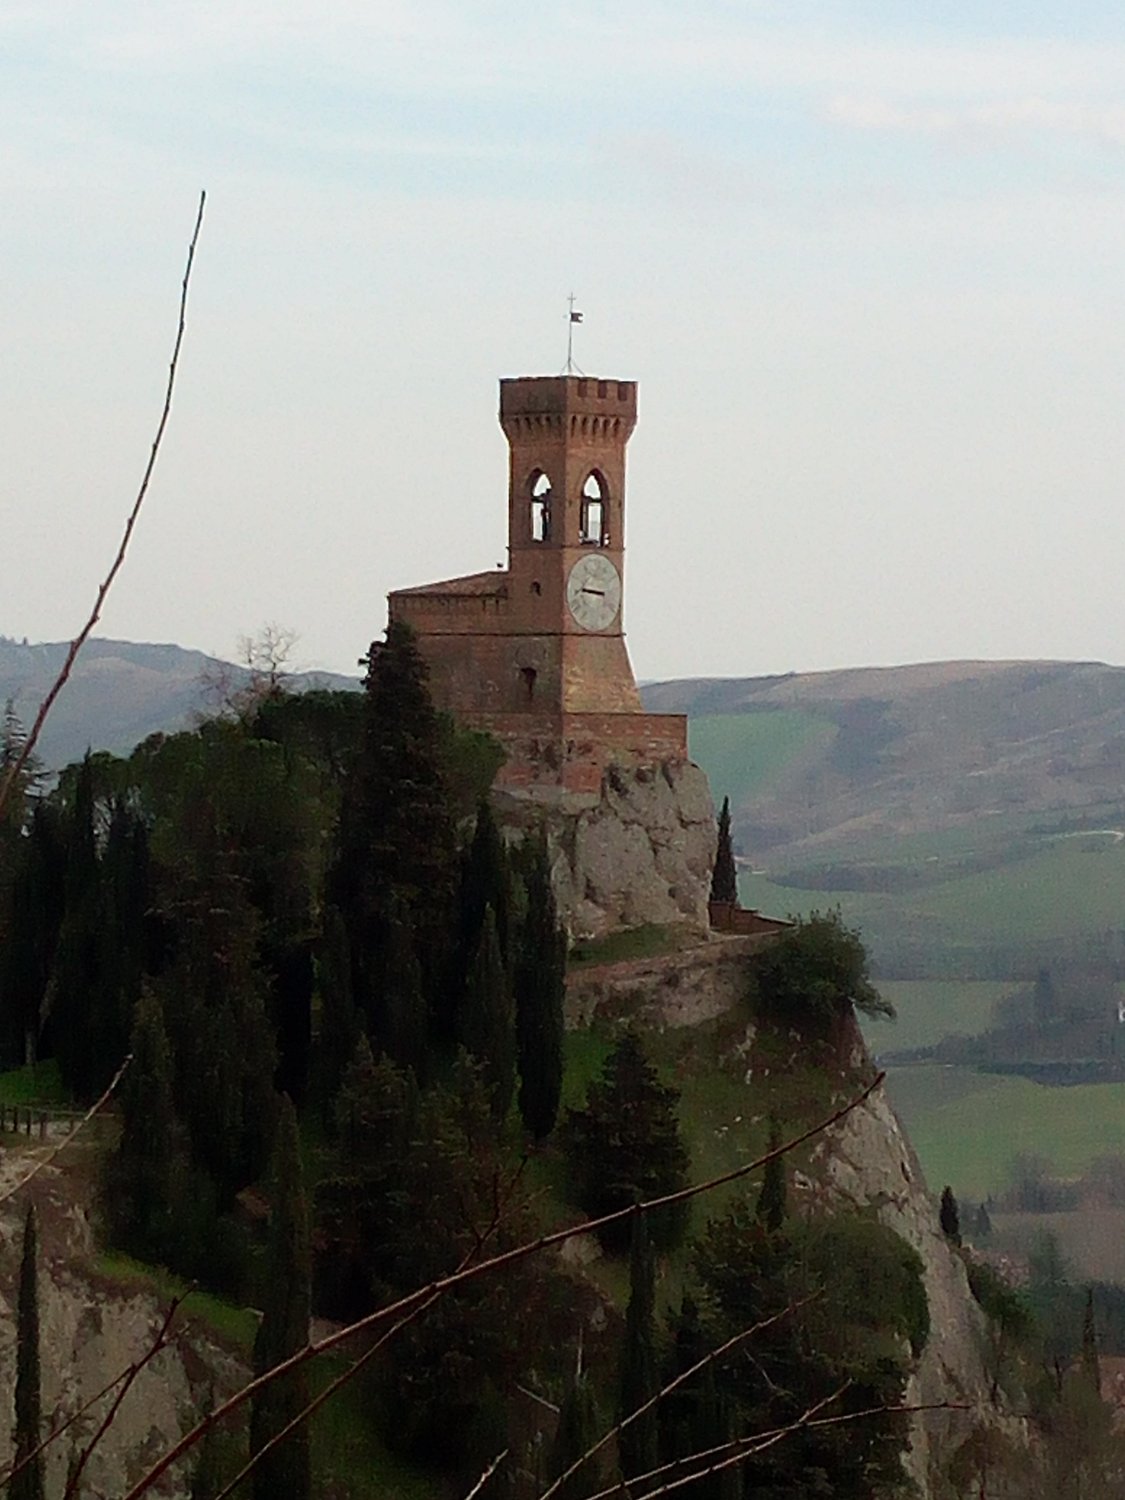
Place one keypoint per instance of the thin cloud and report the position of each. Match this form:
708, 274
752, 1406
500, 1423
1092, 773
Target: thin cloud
1000, 119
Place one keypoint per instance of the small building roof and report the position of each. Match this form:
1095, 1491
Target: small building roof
478, 584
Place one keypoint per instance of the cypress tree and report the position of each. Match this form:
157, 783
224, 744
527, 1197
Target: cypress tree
143, 1173
770, 1210
578, 1430
486, 881
285, 1470
402, 1035
27, 1484
396, 845
949, 1216
638, 1383
540, 986
724, 876
489, 1022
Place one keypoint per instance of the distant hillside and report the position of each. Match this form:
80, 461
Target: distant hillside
822, 763
119, 692
968, 816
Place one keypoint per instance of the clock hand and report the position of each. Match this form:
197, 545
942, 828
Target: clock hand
600, 592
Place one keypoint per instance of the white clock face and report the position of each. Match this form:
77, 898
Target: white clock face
593, 592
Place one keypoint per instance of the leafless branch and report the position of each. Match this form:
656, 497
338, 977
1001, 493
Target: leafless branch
496, 1263
131, 1374
45, 1161
711, 1357
758, 1442
95, 614
487, 1475
57, 1432
481, 1238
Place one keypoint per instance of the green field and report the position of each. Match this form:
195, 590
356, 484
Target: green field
966, 1126
744, 753
930, 1009
1067, 889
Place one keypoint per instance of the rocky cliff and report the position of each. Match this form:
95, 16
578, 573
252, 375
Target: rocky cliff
640, 852
696, 1001
93, 1327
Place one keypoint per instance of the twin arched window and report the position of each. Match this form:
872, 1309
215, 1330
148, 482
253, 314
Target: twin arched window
593, 517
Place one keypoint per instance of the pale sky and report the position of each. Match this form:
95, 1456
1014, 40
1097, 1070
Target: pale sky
865, 260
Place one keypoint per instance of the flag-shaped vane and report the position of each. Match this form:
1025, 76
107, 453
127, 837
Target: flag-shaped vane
575, 317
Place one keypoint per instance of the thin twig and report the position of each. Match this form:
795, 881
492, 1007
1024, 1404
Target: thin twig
57, 1432
95, 614
758, 1442
131, 1374
711, 1357
66, 1140
456, 1278
318, 1401
487, 1475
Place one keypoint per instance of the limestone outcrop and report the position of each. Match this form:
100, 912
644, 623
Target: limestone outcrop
639, 851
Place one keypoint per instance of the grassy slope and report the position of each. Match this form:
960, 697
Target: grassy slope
930, 1009
1066, 888
745, 753
967, 1126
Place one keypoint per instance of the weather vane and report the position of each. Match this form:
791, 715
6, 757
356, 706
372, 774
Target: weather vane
572, 318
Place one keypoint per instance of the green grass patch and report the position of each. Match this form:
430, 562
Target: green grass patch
648, 941
966, 1126
349, 1458
743, 754
930, 1009
38, 1083
231, 1325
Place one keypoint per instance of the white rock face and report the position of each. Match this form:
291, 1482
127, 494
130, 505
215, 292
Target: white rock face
91, 1331
870, 1162
642, 852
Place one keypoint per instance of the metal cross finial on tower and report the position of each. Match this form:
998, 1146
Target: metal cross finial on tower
572, 318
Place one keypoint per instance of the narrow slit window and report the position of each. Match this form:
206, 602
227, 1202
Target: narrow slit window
541, 509
528, 674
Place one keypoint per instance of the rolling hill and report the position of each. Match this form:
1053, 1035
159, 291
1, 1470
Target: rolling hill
119, 692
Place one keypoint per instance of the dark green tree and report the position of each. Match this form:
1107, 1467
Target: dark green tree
540, 990
403, 1036
284, 1328
771, 1207
339, 1020
144, 1174
1090, 1363
488, 1025
625, 1145
852, 1342
396, 849
724, 875
950, 1216
359, 1200
486, 881
209, 1473
36, 905
814, 974
638, 1382
27, 1482
578, 1430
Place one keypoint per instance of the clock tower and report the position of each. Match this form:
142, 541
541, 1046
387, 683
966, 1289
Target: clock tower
535, 653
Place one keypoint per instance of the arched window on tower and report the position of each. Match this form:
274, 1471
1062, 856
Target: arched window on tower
593, 527
540, 507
